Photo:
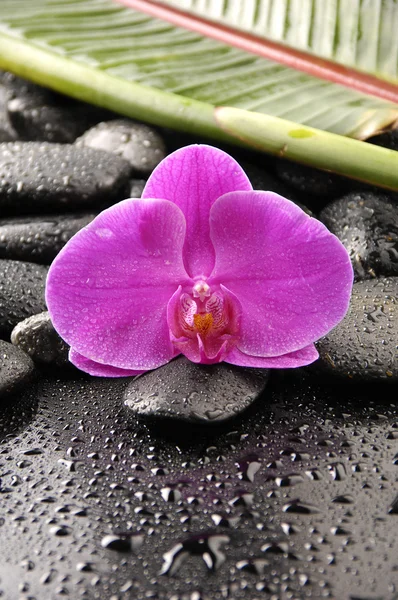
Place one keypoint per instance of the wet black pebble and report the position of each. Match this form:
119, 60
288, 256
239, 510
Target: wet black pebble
16, 369
37, 113
261, 179
196, 393
39, 238
38, 176
141, 145
21, 293
389, 139
37, 337
137, 187
368, 227
317, 185
7, 132
363, 347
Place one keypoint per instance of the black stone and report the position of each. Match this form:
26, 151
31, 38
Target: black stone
363, 347
137, 187
16, 369
140, 144
38, 176
37, 113
196, 393
116, 490
317, 185
7, 132
39, 238
263, 179
21, 293
368, 227
37, 337
389, 140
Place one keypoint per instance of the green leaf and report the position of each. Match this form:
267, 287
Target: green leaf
146, 68
356, 33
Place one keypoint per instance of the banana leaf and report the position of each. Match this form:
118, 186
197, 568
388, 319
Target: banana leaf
356, 33
147, 68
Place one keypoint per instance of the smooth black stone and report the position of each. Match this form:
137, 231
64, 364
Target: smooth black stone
363, 347
37, 337
368, 227
140, 144
389, 140
38, 176
137, 187
16, 369
39, 238
7, 132
261, 179
39, 114
195, 393
21, 293
318, 185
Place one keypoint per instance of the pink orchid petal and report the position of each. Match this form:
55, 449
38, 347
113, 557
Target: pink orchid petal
108, 289
204, 353
300, 358
215, 351
99, 370
292, 277
193, 178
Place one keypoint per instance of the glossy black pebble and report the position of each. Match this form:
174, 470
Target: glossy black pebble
38, 176
16, 368
363, 347
196, 393
21, 293
309, 181
136, 187
37, 337
141, 145
39, 238
368, 227
37, 113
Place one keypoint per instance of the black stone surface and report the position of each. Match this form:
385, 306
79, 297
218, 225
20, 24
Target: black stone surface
367, 224
37, 337
316, 185
263, 179
190, 392
136, 187
43, 177
39, 238
296, 499
16, 370
21, 293
364, 346
37, 113
137, 143
7, 132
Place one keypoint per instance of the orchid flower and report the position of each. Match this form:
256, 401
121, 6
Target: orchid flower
203, 266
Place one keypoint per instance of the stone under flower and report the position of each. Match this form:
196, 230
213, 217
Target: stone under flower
200, 265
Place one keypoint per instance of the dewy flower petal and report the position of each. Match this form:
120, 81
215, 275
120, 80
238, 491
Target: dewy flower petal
99, 370
193, 178
108, 289
292, 277
299, 358
201, 265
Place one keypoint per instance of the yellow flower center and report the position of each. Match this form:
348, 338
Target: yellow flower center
203, 323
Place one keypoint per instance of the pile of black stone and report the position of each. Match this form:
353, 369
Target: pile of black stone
62, 161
